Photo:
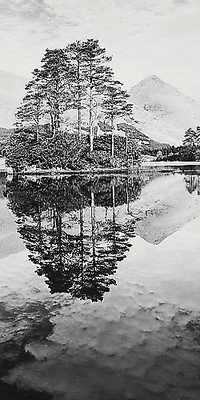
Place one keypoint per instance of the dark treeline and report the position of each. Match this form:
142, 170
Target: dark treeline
68, 97
72, 230
188, 151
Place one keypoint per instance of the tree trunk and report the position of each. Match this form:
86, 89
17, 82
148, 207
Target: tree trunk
113, 200
52, 125
113, 145
127, 196
90, 113
37, 133
56, 120
113, 139
79, 119
79, 101
91, 141
90, 127
126, 143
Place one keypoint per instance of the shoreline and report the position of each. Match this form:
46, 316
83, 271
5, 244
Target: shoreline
73, 172
169, 163
54, 172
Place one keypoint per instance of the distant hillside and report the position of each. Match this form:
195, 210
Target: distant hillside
11, 93
162, 112
145, 142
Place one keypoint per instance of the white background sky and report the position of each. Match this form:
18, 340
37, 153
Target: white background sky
145, 37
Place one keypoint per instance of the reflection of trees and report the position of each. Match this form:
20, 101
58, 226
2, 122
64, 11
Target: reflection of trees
77, 252
2, 184
192, 183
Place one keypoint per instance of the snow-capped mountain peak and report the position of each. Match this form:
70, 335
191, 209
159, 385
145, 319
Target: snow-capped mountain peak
162, 111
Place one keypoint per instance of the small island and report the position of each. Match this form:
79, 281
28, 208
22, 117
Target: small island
67, 121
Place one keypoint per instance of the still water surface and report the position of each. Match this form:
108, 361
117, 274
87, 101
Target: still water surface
100, 287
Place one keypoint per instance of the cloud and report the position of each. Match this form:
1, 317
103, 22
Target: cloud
30, 16
145, 37
26, 9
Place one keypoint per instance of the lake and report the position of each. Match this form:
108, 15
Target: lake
100, 286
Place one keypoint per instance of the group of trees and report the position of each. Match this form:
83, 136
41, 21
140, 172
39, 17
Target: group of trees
188, 151
68, 95
191, 144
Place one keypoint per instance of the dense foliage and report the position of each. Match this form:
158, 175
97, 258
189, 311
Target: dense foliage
189, 151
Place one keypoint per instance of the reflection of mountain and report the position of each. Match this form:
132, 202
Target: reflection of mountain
165, 206
71, 229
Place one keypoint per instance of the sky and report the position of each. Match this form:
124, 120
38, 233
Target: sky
145, 37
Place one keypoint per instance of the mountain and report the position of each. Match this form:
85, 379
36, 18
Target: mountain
124, 128
161, 111
11, 93
146, 143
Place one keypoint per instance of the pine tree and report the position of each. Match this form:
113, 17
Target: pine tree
31, 110
115, 105
190, 138
96, 74
54, 80
76, 54
48, 93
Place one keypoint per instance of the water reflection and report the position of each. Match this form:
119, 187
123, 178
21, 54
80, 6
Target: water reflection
2, 185
146, 331
192, 183
74, 230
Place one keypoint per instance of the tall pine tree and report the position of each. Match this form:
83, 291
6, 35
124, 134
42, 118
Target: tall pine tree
96, 74
115, 105
78, 88
54, 79
31, 110
190, 138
